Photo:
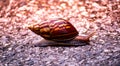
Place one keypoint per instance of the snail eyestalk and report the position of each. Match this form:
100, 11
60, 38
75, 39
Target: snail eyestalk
84, 38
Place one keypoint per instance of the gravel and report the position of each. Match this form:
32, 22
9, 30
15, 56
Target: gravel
16, 40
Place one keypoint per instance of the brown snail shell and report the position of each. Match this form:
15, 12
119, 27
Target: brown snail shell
58, 30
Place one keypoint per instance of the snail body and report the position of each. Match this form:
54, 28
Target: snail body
58, 30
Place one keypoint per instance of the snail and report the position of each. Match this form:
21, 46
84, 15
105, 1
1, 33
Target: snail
58, 32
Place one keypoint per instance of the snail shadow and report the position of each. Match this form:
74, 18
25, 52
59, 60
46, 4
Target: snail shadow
82, 44
73, 43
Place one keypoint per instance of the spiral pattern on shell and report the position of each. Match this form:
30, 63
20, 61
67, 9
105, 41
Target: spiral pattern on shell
56, 30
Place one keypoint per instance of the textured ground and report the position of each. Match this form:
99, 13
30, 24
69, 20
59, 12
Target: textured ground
16, 40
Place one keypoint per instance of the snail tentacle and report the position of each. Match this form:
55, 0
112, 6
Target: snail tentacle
85, 38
